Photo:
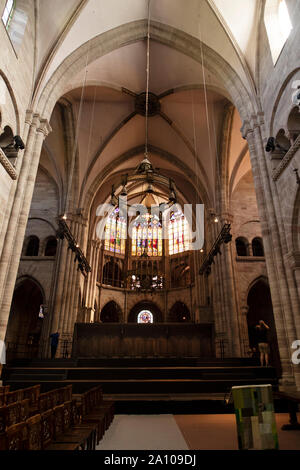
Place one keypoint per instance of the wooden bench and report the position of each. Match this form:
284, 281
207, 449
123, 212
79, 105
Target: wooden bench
54, 420
80, 436
13, 438
293, 400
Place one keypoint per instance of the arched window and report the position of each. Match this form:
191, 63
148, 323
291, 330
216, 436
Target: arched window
111, 313
112, 274
242, 246
257, 247
32, 246
115, 233
145, 316
51, 246
179, 233
8, 12
278, 25
146, 236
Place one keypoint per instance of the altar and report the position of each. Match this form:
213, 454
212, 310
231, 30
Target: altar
96, 340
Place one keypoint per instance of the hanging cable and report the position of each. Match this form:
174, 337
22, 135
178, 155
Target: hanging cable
147, 79
75, 147
206, 103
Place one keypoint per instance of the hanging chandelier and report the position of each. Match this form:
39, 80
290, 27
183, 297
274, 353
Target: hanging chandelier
147, 104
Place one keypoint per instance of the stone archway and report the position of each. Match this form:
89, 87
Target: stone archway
131, 32
261, 308
148, 306
179, 313
24, 325
111, 313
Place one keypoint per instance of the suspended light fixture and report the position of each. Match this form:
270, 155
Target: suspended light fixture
124, 191
145, 172
150, 189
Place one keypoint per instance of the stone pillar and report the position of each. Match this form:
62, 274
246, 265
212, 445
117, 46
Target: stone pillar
277, 277
92, 278
19, 165
17, 225
244, 330
223, 332
78, 279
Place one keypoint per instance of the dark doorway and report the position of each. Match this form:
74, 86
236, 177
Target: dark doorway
260, 308
24, 325
111, 313
145, 306
179, 313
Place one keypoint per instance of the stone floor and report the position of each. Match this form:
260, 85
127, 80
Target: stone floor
184, 432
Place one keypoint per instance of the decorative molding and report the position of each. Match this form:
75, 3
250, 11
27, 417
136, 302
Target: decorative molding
286, 159
249, 259
44, 127
7, 165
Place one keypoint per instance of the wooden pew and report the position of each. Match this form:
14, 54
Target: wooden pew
32, 394
13, 414
13, 438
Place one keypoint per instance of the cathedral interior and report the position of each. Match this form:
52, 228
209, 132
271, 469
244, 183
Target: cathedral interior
149, 193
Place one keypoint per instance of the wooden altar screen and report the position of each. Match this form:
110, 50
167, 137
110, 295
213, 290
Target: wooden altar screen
143, 340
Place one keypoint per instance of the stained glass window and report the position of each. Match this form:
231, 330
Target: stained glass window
145, 316
147, 236
179, 233
115, 233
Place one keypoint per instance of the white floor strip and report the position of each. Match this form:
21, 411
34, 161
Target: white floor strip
143, 432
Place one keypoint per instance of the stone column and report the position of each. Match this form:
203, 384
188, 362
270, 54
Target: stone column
222, 325
78, 280
17, 203
19, 166
19, 216
244, 330
71, 302
280, 297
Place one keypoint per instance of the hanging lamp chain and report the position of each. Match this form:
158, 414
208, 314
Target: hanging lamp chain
147, 82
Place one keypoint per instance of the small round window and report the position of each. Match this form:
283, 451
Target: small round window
145, 316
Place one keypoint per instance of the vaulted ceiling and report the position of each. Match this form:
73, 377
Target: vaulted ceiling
186, 136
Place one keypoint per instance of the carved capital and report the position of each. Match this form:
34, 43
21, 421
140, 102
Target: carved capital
29, 116
246, 129
44, 127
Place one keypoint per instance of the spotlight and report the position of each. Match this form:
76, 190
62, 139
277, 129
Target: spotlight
216, 251
270, 147
60, 234
64, 217
227, 238
201, 251
19, 144
216, 220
